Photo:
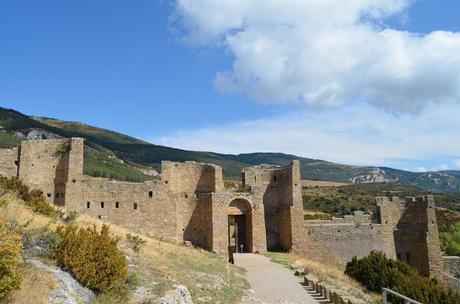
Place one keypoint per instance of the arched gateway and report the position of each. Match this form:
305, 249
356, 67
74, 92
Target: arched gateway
240, 225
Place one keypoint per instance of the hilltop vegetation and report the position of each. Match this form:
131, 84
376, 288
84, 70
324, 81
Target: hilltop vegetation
341, 200
118, 156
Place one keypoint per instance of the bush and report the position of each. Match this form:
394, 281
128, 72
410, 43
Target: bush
41, 242
377, 271
136, 242
10, 260
450, 240
33, 198
92, 257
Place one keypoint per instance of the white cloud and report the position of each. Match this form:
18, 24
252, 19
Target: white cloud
354, 134
325, 52
442, 167
457, 163
418, 169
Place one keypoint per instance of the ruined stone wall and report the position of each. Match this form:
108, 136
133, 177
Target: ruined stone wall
143, 207
417, 239
45, 165
451, 265
280, 188
405, 229
192, 177
194, 219
342, 241
9, 159
452, 270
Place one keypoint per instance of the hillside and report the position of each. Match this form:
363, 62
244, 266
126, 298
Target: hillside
341, 200
111, 154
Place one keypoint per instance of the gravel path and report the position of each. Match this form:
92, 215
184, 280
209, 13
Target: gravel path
273, 283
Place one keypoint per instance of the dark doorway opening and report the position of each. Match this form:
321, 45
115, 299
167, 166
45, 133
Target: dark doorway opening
237, 233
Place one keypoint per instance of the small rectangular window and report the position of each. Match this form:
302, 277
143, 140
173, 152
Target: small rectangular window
408, 257
150, 193
88, 204
49, 194
274, 178
102, 204
135, 206
117, 205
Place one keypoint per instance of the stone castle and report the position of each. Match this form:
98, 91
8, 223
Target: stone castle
189, 203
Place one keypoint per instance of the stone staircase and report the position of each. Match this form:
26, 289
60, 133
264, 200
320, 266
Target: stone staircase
328, 293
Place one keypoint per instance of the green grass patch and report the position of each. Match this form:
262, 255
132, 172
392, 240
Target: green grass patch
280, 258
8, 140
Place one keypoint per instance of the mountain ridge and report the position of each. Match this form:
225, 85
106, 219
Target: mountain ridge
119, 156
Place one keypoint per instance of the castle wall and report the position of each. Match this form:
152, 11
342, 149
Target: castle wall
143, 207
194, 219
192, 177
405, 230
8, 162
190, 203
342, 239
452, 270
219, 224
280, 188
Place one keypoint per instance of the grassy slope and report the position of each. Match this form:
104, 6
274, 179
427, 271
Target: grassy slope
159, 265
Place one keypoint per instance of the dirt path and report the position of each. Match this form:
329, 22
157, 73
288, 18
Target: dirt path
272, 283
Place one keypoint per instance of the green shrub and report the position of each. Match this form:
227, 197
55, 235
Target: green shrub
41, 242
136, 241
317, 216
450, 240
70, 217
92, 257
377, 271
33, 198
10, 260
3, 203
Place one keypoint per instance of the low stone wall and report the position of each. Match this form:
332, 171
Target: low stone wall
451, 264
452, 269
342, 242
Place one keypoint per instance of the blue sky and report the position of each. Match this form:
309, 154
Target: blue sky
250, 79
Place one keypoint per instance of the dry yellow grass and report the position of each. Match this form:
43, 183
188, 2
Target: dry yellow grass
35, 287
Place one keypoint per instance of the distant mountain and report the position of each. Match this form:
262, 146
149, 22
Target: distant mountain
119, 156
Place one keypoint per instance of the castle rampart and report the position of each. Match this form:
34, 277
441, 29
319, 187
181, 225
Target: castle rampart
190, 203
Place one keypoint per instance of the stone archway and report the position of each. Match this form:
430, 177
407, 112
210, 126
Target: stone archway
240, 226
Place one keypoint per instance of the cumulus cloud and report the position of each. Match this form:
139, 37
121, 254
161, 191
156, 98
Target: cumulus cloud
354, 134
325, 53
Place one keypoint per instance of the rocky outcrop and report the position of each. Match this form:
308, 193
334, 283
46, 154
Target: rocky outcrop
69, 291
180, 295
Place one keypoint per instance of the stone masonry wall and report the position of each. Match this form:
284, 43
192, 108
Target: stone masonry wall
143, 207
342, 241
192, 177
44, 165
8, 162
405, 229
220, 206
280, 188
